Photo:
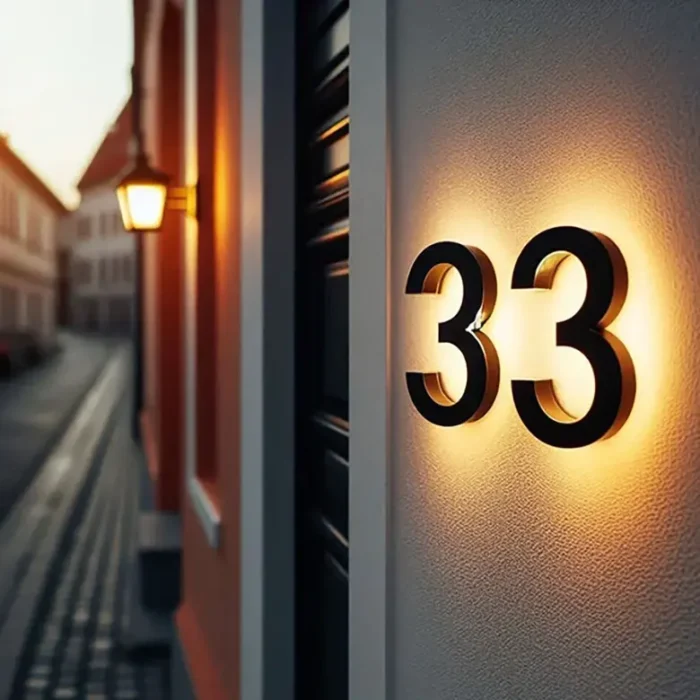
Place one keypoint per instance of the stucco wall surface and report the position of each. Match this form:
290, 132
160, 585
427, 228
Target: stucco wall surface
519, 570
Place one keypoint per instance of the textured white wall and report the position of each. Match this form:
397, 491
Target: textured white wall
518, 570
368, 367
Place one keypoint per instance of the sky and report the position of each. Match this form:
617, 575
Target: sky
64, 77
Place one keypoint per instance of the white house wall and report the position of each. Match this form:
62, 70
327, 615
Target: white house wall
519, 570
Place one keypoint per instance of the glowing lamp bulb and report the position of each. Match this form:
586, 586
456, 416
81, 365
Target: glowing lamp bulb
142, 194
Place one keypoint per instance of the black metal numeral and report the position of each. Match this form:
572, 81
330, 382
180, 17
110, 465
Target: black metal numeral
462, 331
606, 276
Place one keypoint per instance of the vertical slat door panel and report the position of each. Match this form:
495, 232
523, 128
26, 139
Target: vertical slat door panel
322, 318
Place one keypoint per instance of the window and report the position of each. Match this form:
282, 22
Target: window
119, 313
82, 272
48, 235
89, 314
9, 305
103, 272
128, 271
5, 209
34, 233
9, 211
35, 312
84, 228
4, 219
117, 223
12, 215
116, 268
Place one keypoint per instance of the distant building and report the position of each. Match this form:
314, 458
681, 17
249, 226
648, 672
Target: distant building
29, 216
101, 252
65, 236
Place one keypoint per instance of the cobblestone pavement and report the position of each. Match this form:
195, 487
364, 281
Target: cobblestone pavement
37, 404
71, 541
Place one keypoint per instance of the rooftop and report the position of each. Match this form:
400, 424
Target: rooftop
112, 156
27, 176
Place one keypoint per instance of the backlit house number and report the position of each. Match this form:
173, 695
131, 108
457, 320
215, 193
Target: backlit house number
585, 331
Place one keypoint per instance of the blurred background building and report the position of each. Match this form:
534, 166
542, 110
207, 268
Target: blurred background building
96, 249
29, 216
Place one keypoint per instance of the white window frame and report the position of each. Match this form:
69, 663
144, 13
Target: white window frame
207, 513
369, 347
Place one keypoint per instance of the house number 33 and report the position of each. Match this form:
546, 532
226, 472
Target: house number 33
585, 331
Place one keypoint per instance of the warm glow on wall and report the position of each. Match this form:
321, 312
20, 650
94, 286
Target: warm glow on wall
425, 312
571, 567
525, 319
574, 382
528, 319
643, 325
585, 330
477, 479
523, 329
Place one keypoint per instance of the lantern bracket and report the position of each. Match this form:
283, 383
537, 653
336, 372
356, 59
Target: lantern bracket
184, 199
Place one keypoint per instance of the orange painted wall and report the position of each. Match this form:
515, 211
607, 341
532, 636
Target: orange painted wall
162, 416
208, 620
148, 59
151, 77
170, 267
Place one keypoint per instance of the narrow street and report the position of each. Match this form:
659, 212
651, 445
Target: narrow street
66, 544
36, 405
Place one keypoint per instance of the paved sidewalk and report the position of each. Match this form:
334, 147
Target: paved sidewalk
64, 556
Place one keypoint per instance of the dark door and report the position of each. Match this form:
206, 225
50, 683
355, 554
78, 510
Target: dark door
323, 142
119, 314
63, 289
91, 311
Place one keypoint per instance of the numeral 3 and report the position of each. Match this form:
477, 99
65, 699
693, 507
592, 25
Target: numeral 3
479, 280
585, 331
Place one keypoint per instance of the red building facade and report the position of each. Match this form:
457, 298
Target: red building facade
343, 538
189, 420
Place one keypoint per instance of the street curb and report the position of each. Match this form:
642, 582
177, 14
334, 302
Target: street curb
64, 543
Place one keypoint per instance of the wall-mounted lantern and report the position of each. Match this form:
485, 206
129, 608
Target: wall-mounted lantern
143, 195
143, 191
